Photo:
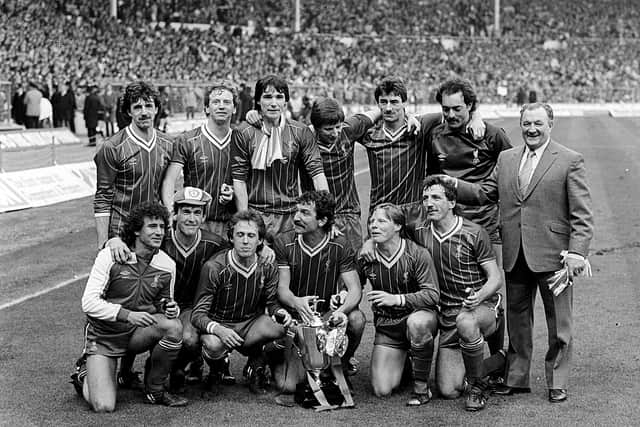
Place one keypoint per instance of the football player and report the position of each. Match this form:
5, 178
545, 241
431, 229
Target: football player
130, 164
235, 289
265, 161
404, 300
313, 265
203, 155
130, 309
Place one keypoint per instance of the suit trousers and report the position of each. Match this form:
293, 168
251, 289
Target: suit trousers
521, 295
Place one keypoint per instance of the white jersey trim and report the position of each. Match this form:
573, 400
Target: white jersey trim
148, 146
390, 262
219, 143
313, 250
243, 271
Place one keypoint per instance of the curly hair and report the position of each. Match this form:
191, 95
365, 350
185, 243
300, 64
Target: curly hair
136, 91
392, 85
135, 221
325, 205
456, 85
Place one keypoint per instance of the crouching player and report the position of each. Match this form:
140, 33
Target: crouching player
404, 300
469, 279
129, 308
234, 290
311, 264
190, 247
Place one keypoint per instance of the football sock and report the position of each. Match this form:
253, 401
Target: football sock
421, 357
473, 356
159, 364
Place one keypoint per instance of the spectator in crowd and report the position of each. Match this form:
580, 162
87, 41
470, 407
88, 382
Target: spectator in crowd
17, 106
93, 111
190, 101
32, 99
109, 99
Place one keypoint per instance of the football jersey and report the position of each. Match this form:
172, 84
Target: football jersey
457, 154
409, 271
338, 165
397, 161
458, 256
114, 289
314, 270
275, 189
205, 161
129, 171
189, 262
228, 292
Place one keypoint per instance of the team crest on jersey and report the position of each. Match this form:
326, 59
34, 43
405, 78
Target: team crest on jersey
327, 264
125, 274
372, 276
156, 281
203, 158
475, 160
442, 157
458, 251
405, 278
132, 162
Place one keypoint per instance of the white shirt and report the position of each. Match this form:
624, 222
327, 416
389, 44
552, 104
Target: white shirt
535, 160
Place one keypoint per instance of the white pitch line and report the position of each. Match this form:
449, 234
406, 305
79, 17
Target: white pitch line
43, 291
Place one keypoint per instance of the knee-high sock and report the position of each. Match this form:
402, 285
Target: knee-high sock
185, 356
421, 357
495, 341
126, 362
159, 364
274, 351
473, 356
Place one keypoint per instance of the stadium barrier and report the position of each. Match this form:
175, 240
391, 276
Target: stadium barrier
46, 186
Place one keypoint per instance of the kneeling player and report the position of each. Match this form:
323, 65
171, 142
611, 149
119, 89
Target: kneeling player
234, 290
313, 265
129, 308
404, 300
469, 279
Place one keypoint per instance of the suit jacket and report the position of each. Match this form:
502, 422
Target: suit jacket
553, 215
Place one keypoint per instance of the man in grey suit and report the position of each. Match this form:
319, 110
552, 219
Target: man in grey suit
545, 209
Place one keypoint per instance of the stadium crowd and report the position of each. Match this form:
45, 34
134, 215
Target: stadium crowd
341, 49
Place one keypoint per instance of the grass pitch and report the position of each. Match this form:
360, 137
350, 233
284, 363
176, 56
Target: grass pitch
41, 337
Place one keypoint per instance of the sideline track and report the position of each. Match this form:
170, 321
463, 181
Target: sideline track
43, 291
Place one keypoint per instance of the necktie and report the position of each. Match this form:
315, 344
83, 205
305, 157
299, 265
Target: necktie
525, 173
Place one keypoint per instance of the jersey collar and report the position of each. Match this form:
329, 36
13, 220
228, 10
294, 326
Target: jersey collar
220, 143
245, 272
395, 135
185, 251
442, 237
147, 145
313, 250
391, 261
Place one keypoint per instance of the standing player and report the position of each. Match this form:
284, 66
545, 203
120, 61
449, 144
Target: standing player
203, 156
454, 152
404, 299
190, 247
130, 164
313, 265
235, 289
265, 162
469, 278
130, 308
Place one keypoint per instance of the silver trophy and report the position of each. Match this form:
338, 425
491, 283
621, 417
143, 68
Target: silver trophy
320, 346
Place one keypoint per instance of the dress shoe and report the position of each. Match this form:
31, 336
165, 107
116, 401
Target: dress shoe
505, 390
557, 395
